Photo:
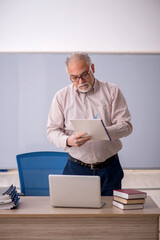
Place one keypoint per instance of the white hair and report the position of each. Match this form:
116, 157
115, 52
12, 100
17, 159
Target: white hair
79, 56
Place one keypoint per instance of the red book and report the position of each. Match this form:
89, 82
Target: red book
129, 193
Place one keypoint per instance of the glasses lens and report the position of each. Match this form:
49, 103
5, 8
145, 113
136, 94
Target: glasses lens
74, 79
83, 76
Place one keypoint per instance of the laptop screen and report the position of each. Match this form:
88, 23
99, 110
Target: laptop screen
75, 191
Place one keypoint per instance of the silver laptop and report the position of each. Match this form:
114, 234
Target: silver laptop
75, 191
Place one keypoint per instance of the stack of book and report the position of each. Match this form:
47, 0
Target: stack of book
129, 198
9, 197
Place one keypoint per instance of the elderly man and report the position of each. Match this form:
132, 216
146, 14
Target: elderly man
84, 99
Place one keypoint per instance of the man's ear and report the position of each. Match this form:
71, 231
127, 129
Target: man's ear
93, 68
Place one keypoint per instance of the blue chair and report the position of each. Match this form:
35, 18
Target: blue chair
34, 169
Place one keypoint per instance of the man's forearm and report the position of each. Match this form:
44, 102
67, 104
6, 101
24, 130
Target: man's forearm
57, 138
120, 130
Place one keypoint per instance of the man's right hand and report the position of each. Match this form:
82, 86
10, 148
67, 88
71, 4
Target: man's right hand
77, 139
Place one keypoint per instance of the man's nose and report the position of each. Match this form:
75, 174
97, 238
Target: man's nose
81, 80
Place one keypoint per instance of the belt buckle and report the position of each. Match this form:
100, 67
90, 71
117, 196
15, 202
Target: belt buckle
93, 166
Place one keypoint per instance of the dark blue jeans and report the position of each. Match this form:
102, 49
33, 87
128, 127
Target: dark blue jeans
110, 175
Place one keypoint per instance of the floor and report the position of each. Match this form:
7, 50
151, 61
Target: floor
145, 180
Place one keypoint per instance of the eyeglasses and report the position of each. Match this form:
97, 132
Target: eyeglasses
84, 76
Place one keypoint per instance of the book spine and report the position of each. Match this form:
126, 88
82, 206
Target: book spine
105, 129
16, 199
8, 190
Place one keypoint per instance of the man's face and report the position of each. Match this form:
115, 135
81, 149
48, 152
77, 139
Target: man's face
81, 74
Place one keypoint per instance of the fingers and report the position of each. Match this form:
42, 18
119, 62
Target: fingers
78, 135
81, 140
78, 139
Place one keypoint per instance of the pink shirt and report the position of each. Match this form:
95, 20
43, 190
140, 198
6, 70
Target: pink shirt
104, 99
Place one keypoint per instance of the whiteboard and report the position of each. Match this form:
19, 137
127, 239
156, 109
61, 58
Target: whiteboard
28, 83
110, 26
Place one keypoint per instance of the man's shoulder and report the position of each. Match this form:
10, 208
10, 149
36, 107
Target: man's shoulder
108, 85
66, 90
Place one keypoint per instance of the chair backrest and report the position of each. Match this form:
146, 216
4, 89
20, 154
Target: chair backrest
34, 169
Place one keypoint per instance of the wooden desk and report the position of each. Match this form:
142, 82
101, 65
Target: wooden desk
36, 219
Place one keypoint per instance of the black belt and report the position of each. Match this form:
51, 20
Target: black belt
97, 165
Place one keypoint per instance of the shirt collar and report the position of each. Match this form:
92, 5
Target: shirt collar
95, 86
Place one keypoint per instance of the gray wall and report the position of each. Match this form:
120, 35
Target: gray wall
29, 81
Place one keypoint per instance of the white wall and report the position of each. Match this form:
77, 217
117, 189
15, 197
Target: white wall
130, 26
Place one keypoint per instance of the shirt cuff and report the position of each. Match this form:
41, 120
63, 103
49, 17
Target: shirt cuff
64, 142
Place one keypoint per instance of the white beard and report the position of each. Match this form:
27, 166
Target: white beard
85, 90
